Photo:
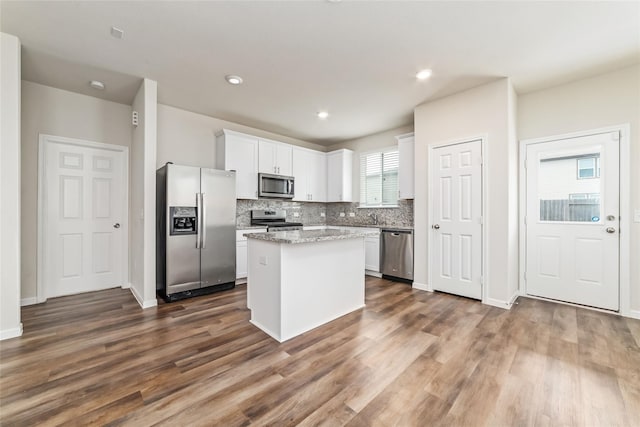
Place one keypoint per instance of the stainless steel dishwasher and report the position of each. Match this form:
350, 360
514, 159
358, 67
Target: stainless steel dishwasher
396, 254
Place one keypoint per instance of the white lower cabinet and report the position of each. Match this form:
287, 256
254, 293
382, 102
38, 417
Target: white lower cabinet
371, 248
241, 251
372, 253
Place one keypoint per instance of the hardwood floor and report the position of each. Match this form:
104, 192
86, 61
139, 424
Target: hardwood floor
410, 358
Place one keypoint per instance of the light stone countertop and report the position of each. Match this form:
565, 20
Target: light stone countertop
308, 236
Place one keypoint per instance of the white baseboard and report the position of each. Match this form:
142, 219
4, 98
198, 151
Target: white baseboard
126, 286
28, 301
11, 333
422, 287
634, 314
499, 303
143, 304
372, 273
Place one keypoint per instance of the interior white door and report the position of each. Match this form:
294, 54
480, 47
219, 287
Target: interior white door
83, 218
456, 229
572, 220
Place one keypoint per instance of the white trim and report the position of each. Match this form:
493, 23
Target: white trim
11, 333
42, 140
372, 273
28, 301
422, 287
143, 304
625, 212
506, 305
485, 222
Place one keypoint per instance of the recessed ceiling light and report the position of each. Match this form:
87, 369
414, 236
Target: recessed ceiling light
323, 114
117, 32
234, 80
96, 84
423, 75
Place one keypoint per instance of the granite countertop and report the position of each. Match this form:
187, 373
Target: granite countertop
251, 227
308, 236
380, 226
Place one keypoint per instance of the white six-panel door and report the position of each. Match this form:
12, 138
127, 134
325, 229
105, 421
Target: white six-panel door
83, 213
572, 220
456, 226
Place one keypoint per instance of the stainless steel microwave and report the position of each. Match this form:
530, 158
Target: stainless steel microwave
276, 186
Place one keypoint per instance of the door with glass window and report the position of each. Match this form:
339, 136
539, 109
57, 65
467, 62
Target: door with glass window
572, 220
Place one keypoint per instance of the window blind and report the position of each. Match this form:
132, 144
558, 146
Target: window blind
379, 178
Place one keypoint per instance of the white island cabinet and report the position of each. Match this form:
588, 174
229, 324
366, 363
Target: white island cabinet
299, 280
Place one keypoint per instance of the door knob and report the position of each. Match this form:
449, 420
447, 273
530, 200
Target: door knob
435, 227
116, 225
610, 230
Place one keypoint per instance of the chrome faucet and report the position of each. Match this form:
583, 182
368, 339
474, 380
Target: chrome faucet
374, 216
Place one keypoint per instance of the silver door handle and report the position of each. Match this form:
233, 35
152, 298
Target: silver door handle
116, 225
610, 230
203, 221
198, 220
435, 227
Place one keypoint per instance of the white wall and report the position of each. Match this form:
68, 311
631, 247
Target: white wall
606, 100
58, 112
369, 143
187, 138
142, 215
10, 217
487, 110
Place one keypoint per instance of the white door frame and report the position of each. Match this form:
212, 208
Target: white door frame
625, 212
124, 259
430, 213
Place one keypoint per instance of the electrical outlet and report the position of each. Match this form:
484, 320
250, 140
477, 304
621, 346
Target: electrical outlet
351, 214
636, 215
322, 215
341, 214
296, 214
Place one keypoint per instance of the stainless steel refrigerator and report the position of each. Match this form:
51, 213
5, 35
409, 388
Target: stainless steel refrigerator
196, 223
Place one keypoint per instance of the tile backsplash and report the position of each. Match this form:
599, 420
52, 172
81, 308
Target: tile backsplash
400, 216
310, 213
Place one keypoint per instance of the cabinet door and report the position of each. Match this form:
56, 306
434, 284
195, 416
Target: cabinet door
406, 148
241, 155
318, 177
339, 168
267, 157
241, 259
372, 253
301, 160
284, 159
334, 178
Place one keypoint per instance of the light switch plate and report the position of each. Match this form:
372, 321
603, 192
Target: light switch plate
322, 214
351, 214
341, 214
296, 214
262, 260
636, 215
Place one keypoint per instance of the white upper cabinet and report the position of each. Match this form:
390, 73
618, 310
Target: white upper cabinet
310, 173
239, 152
275, 158
406, 154
339, 176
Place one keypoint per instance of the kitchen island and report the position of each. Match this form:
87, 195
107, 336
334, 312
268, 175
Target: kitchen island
299, 280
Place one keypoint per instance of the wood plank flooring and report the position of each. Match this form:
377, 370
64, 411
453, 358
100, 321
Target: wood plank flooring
410, 358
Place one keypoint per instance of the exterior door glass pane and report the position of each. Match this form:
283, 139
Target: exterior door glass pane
569, 188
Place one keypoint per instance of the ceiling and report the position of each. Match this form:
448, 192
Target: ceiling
355, 59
